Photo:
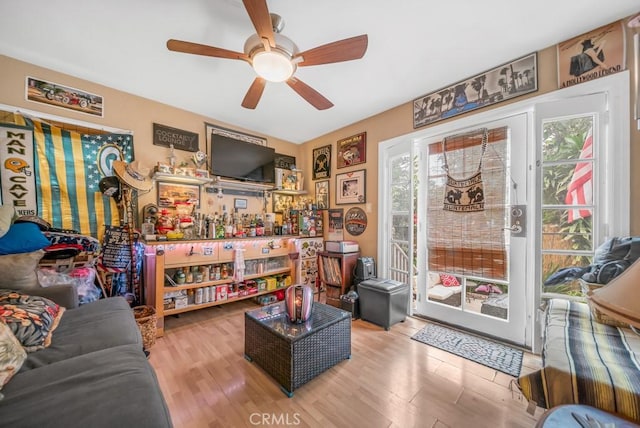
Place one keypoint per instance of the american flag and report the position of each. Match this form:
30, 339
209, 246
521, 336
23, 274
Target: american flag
580, 189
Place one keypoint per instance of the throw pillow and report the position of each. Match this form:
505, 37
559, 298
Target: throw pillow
449, 280
23, 238
32, 319
434, 279
12, 355
7, 212
19, 270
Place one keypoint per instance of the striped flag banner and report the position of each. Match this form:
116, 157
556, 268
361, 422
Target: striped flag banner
68, 169
580, 189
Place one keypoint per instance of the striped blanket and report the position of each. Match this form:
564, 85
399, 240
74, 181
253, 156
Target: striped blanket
586, 362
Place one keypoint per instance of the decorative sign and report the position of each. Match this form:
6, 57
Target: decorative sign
284, 161
336, 225
181, 140
595, 54
116, 248
62, 96
499, 84
355, 221
352, 151
17, 177
322, 162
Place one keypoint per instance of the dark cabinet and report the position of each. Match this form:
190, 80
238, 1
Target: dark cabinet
336, 274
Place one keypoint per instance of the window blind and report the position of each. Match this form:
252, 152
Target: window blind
469, 243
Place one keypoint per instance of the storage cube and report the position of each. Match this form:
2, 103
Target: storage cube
383, 301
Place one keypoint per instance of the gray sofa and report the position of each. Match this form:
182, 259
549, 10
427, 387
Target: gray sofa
94, 373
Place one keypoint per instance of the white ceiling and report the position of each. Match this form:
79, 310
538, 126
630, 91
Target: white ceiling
415, 47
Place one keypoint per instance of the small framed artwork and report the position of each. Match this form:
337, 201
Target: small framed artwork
322, 162
352, 151
322, 194
351, 187
170, 194
281, 203
595, 54
240, 204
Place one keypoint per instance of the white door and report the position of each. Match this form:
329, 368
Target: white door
472, 267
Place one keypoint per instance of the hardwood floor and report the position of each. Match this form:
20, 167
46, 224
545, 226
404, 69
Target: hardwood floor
390, 381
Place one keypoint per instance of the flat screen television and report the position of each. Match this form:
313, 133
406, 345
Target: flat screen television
241, 160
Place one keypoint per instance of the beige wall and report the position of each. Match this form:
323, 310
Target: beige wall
126, 111
399, 121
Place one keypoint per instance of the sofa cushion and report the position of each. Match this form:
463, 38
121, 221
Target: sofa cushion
7, 213
32, 319
12, 355
23, 238
97, 325
107, 388
19, 270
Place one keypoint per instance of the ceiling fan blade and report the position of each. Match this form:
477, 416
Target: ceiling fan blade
312, 96
254, 93
197, 49
342, 50
259, 14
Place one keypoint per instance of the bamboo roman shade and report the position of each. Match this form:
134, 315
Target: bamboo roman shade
469, 243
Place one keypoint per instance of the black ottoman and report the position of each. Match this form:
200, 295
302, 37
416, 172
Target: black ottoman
383, 301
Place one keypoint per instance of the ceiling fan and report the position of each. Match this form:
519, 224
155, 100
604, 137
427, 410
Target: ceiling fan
275, 57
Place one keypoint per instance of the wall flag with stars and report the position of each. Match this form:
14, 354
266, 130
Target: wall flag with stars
68, 169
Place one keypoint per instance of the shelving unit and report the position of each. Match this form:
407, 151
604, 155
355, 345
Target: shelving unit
264, 257
185, 179
336, 274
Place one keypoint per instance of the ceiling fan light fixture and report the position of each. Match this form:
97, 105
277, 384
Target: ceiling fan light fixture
273, 66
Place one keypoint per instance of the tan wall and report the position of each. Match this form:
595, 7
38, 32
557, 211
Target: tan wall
399, 121
128, 112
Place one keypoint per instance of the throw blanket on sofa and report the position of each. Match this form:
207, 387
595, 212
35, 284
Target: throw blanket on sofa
586, 362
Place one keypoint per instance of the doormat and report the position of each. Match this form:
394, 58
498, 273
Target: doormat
486, 352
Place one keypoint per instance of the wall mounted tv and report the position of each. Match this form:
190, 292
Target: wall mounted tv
241, 160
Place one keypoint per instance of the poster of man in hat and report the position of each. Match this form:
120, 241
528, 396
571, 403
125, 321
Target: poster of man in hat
592, 55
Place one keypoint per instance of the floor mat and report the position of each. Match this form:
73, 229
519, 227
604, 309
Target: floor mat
486, 352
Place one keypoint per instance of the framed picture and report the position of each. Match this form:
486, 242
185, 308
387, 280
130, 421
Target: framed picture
352, 151
171, 193
350, 187
322, 194
281, 203
57, 95
240, 203
322, 162
595, 54
501, 83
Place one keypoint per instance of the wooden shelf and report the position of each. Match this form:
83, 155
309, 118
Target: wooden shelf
290, 192
186, 179
160, 258
189, 308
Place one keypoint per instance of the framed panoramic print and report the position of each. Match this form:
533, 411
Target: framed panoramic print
499, 84
351, 187
322, 194
352, 151
57, 95
322, 162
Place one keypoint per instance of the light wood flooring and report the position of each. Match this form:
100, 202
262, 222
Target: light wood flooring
390, 381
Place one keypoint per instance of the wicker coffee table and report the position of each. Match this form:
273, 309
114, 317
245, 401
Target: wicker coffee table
293, 354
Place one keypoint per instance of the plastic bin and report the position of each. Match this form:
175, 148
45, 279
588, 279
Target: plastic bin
383, 301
